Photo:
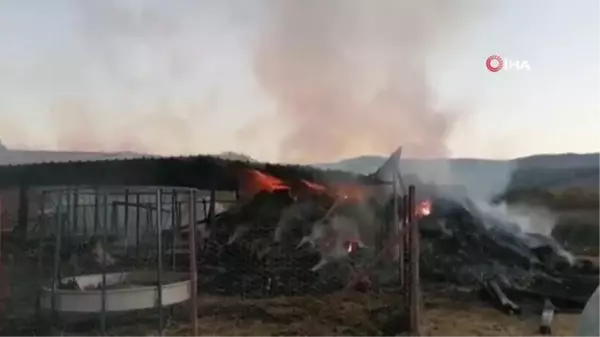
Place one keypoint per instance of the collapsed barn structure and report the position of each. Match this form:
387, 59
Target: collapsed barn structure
292, 230
266, 245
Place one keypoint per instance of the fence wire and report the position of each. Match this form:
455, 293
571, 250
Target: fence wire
273, 250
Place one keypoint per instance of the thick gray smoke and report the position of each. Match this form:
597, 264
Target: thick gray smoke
118, 75
348, 77
351, 77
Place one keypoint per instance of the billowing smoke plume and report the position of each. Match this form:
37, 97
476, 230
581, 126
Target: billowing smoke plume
350, 77
116, 75
347, 77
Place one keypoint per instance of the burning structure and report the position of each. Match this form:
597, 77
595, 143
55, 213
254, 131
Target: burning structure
295, 237
291, 231
284, 233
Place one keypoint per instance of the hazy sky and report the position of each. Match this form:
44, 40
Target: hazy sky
180, 77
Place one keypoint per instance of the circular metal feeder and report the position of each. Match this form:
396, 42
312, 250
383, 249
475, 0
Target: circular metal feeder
126, 291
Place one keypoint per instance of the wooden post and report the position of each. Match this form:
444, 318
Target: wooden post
414, 290
395, 222
405, 252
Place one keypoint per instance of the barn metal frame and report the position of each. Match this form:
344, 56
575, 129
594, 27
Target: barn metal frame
68, 214
210, 173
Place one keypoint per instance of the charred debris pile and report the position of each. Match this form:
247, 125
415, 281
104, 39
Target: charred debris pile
283, 238
465, 245
295, 238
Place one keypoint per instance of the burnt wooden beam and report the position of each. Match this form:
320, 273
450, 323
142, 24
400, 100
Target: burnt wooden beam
500, 297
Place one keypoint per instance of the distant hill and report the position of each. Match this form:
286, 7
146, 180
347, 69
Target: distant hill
368, 164
552, 171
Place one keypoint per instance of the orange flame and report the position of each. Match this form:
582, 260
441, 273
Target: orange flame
254, 181
423, 209
314, 186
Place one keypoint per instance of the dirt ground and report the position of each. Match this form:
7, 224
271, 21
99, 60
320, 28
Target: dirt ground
372, 314
444, 314
479, 319
355, 314
448, 318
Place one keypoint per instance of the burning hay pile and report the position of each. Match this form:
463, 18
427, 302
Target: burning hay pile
280, 241
292, 239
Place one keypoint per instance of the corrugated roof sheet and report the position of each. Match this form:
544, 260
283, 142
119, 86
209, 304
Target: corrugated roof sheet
198, 171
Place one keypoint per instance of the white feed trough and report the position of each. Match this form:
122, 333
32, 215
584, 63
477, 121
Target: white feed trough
124, 292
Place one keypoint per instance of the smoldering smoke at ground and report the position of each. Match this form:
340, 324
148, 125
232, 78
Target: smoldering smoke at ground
349, 77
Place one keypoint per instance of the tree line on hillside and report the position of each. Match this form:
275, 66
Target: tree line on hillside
569, 199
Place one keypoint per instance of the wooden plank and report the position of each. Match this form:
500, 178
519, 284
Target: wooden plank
497, 294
